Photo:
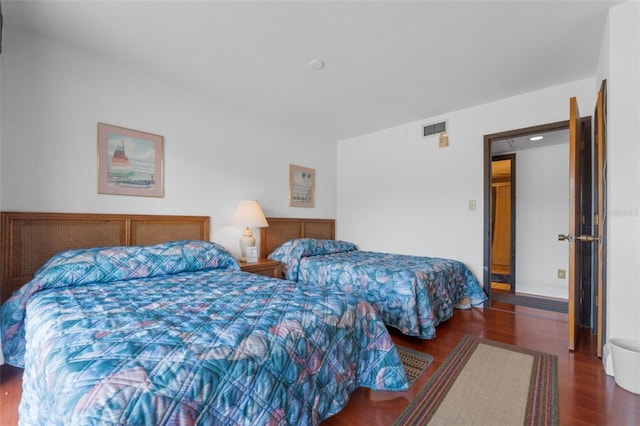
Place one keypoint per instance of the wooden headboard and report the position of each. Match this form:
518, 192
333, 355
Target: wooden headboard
30, 239
281, 230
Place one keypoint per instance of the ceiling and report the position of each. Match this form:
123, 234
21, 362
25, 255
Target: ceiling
386, 63
501, 169
514, 144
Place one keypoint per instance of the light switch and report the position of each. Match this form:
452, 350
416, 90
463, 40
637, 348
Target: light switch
472, 204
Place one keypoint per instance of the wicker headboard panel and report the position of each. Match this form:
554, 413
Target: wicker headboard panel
281, 230
30, 239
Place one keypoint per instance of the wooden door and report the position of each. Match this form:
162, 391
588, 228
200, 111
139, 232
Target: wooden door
576, 219
600, 218
574, 223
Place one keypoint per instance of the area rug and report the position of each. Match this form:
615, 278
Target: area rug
414, 362
483, 382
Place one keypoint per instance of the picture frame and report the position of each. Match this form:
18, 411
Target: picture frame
130, 162
302, 186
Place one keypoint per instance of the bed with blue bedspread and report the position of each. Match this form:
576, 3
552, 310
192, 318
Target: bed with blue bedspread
175, 333
411, 293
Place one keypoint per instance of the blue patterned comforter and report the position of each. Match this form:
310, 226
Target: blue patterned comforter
411, 293
175, 334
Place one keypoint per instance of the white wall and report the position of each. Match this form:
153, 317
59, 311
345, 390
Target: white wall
215, 155
620, 65
542, 212
399, 192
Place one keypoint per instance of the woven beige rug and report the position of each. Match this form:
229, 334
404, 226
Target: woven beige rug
488, 383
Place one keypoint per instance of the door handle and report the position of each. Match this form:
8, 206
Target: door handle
571, 238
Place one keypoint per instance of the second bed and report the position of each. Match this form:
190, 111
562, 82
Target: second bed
411, 293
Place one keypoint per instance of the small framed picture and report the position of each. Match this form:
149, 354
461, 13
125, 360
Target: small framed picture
302, 186
252, 254
129, 162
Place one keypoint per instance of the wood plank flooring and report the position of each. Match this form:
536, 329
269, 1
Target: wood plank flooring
587, 395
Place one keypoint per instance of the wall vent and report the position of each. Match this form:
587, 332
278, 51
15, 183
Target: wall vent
434, 129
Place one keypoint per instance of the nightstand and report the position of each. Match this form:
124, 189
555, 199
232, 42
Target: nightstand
267, 267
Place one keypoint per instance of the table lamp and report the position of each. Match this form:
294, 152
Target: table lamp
248, 214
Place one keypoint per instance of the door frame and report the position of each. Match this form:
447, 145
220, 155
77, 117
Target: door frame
488, 140
600, 153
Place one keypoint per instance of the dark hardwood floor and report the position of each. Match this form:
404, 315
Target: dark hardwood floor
587, 395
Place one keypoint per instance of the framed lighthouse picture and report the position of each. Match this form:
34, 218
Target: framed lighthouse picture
129, 162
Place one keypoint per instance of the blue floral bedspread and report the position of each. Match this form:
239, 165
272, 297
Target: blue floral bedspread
176, 334
411, 293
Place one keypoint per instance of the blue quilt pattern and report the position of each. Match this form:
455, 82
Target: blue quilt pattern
290, 253
188, 339
411, 293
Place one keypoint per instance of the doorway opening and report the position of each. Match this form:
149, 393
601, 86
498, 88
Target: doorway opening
502, 222
522, 223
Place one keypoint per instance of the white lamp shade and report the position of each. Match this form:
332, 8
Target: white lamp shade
249, 214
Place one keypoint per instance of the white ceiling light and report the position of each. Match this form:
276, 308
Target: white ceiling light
536, 138
316, 64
